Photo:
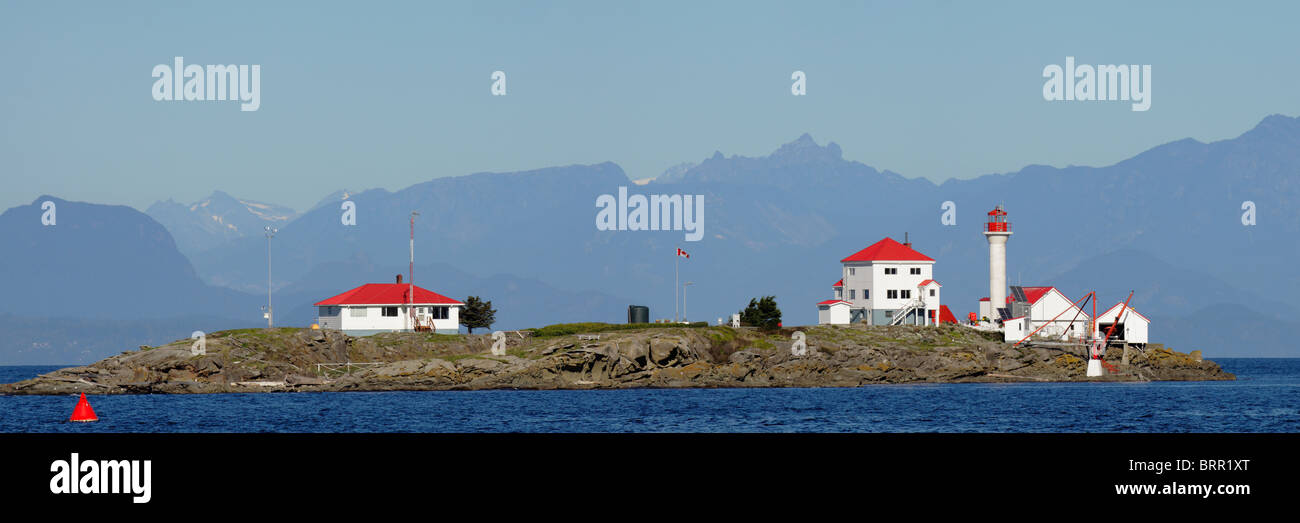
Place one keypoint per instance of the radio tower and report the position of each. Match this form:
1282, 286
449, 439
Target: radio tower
410, 277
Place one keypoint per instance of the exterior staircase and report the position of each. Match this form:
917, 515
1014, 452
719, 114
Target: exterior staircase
901, 314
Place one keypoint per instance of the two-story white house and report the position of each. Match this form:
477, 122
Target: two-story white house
388, 307
887, 283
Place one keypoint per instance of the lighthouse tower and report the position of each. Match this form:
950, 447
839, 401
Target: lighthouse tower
997, 230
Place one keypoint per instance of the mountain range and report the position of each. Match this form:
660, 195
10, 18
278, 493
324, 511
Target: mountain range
216, 219
1166, 224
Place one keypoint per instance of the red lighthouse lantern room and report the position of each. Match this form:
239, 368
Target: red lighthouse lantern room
997, 221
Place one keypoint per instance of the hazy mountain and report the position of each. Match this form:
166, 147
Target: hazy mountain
217, 219
333, 199
674, 173
103, 262
72, 340
1158, 285
490, 223
1228, 330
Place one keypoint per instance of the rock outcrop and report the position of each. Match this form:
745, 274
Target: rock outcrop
843, 356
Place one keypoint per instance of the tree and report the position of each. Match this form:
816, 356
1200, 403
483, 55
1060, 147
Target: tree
762, 313
477, 314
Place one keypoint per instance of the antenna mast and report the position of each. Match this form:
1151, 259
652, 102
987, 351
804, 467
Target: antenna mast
410, 276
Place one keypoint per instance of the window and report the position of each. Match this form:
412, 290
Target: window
390, 311
839, 294
915, 270
932, 293
357, 312
439, 313
891, 270
891, 294
866, 294
889, 314
852, 296
851, 271
905, 294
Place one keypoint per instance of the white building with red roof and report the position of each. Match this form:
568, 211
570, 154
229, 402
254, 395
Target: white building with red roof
389, 307
887, 283
1131, 327
1046, 310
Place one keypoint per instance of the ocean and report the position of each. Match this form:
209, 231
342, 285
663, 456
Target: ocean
1265, 398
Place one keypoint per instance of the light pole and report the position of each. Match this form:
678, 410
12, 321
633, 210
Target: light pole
684, 286
270, 232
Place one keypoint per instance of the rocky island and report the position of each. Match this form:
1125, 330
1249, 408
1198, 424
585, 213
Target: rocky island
594, 355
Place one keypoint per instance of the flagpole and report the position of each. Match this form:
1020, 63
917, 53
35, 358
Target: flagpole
677, 258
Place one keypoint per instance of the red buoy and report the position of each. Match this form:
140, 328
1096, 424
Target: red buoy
83, 412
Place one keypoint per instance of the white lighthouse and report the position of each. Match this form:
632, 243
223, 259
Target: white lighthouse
997, 230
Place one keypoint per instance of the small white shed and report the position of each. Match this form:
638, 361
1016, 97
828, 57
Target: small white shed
1015, 329
833, 312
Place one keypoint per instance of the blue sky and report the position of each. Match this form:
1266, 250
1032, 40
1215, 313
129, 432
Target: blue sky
380, 94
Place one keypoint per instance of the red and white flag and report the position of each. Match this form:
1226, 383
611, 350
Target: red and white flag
682, 253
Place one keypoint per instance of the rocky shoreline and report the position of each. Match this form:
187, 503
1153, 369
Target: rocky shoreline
290, 359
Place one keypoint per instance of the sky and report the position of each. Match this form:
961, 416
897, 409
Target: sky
356, 95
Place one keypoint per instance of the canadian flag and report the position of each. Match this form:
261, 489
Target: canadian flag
682, 253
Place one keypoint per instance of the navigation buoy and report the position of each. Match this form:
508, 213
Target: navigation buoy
82, 412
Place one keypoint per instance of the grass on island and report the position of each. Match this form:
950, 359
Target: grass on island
566, 329
258, 332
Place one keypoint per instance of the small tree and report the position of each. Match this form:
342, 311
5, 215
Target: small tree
762, 313
477, 314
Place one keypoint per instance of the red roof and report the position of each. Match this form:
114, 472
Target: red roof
839, 283
1033, 294
388, 294
887, 249
927, 282
832, 302
1101, 317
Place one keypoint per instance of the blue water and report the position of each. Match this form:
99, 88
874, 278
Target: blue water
1265, 398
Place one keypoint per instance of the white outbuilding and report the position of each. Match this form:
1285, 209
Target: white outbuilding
1131, 328
833, 312
1043, 309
